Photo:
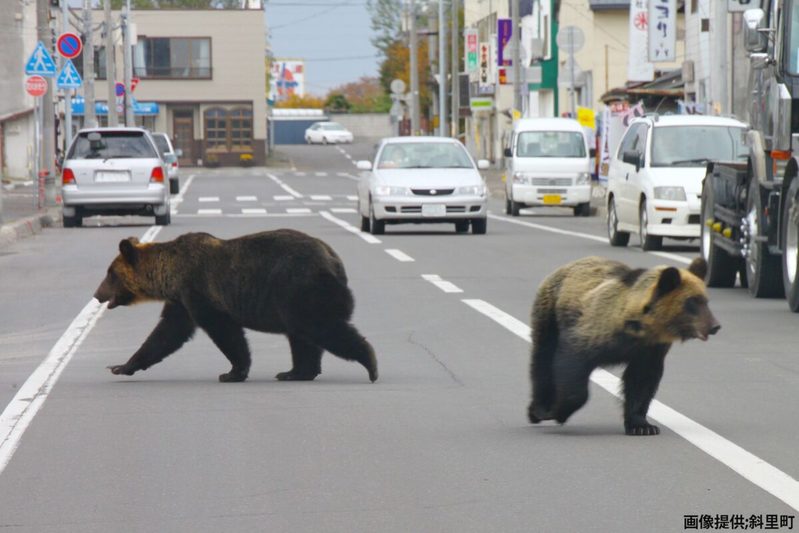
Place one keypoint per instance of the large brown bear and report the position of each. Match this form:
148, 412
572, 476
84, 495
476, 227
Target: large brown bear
595, 312
280, 281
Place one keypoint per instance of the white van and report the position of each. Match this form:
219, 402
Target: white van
548, 162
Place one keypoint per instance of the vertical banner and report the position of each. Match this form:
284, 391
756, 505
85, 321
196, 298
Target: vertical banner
484, 72
470, 50
662, 30
504, 30
638, 66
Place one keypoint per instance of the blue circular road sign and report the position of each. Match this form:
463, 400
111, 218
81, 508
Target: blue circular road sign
69, 45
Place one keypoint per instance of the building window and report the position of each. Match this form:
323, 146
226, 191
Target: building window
228, 130
173, 58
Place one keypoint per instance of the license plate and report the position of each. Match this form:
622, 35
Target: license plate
552, 199
111, 177
434, 210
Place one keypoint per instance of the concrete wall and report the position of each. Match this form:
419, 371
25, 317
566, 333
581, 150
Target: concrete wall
365, 125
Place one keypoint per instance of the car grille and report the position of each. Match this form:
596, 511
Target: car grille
411, 209
552, 182
432, 192
552, 191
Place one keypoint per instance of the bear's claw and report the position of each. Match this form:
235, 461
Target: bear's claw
295, 376
120, 369
641, 430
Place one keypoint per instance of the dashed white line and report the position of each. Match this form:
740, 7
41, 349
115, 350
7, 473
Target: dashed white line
246, 198
399, 255
209, 211
321, 197
253, 211
206, 199
285, 187
352, 197
444, 285
283, 198
320, 174
178, 199
753, 468
298, 210
342, 210
368, 237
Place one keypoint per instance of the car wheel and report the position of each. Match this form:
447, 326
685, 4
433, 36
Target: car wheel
790, 237
462, 226
324, 140
762, 268
515, 207
722, 268
174, 186
479, 226
615, 237
163, 220
507, 206
582, 210
376, 227
648, 242
73, 222
365, 224
308, 140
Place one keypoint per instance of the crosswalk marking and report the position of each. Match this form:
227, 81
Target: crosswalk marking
321, 197
283, 198
208, 199
343, 210
352, 197
246, 198
320, 173
298, 210
254, 211
209, 211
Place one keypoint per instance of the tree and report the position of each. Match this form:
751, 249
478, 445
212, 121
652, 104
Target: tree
364, 96
337, 103
397, 64
386, 24
300, 102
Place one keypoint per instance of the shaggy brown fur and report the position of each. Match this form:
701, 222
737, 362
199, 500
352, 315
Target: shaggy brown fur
280, 281
595, 312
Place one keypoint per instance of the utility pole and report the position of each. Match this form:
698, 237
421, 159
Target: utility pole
89, 116
516, 57
46, 174
110, 70
442, 70
128, 66
456, 79
414, 68
67, 92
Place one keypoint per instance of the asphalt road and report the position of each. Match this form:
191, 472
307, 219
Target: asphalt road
439, 443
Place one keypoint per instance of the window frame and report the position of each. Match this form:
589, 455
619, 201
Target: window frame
145, 71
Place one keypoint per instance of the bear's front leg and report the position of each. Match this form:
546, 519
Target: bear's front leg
640, 383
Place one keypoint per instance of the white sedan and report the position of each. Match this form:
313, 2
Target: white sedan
422, 180
327, 132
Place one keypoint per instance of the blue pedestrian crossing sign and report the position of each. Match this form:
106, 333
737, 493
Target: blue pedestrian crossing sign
69, 77
40, 62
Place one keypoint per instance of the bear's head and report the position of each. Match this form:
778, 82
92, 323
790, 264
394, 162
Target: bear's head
674, 307
122, 284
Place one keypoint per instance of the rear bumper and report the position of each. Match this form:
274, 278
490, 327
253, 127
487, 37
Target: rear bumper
153, 198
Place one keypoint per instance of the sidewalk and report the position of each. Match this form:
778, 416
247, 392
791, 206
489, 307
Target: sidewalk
18, 216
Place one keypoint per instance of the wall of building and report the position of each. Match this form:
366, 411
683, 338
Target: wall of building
365, 125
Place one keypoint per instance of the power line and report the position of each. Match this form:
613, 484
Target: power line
349, 58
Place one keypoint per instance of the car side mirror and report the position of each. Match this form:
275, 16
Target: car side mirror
179, 152
483, 164
755, 32
363, 165
592, 152
508, 152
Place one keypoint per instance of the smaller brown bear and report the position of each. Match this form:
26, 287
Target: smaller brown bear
595, 312
281, 281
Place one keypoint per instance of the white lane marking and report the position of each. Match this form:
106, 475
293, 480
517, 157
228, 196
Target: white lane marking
285, 187
368, 237
253, 211
176, 201
243, 215
209, 211
399, 255
444, 285
30, 397
665, 255
352, 197
299, 173
348, 176
283, 198
296, 210
204, 199
753, 468
342, 210
246, 198
321, 197
320, 174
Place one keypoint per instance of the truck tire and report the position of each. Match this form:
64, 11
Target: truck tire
722, 268
789, 236
762, 268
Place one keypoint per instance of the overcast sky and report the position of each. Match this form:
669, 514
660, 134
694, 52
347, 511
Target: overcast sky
332, 36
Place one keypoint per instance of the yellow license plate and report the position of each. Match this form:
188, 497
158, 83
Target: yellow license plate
552, 199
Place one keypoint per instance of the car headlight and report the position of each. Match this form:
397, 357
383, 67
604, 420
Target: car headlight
676, 194
472, 190
521, 178
583, 178
385, 190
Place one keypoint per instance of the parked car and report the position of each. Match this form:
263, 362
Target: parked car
548, 162
422, 180
655, 176
170, 157
114, 171
327, 132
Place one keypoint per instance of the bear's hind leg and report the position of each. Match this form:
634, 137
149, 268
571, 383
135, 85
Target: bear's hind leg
229, 338
640, 383
545, 343
343, 340
306, 358
571, 386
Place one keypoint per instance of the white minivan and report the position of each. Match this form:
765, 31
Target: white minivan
548, 162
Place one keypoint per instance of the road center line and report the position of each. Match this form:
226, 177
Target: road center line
442, 284
176, 201
368, 237
30, 397
753, 468
285, 187
399, 255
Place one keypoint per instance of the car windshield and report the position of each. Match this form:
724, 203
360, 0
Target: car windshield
696, 145
333, 127
111, 145
424, 155
550, 144
161, 143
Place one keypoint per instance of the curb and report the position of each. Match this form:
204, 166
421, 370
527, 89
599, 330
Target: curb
28, 226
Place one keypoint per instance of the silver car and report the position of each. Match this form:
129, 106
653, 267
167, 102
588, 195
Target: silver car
170, 157
114, 171
422, 180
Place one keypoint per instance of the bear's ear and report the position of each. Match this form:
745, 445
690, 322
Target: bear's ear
669, 280
127, 247
698, 268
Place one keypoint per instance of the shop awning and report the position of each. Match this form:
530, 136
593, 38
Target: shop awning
101, 108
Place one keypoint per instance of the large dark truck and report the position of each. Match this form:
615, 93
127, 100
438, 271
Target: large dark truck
750, 209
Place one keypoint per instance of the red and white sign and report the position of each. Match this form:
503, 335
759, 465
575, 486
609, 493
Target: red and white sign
36, 85
133, 83
69, 45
